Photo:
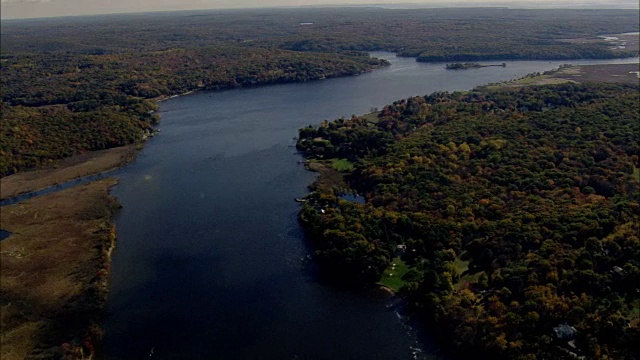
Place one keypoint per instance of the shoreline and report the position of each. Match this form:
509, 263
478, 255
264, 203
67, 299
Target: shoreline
387, 290
163, 98
11, 190
599, 73
106, 260
64, 258
68, 169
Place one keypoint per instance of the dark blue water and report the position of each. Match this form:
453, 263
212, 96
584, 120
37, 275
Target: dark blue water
210, 261
358, 199
4, 234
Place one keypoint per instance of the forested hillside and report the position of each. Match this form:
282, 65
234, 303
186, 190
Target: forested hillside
57, 105
519, 209
71, 85
430, 33
85, 81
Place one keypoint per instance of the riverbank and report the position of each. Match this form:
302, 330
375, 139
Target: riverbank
90, 163
56, 260
605, 73
164, 98
54, 271
329, 178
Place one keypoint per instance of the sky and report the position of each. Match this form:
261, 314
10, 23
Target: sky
16, 9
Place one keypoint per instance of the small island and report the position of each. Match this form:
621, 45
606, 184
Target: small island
464, 66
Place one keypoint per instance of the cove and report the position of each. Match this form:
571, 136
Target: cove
211, 261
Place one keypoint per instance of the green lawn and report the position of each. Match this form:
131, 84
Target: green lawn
392, 277
371, 117
461, 267
342, 165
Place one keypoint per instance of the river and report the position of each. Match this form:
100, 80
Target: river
211, 261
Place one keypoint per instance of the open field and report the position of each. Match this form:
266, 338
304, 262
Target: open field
90, 163
328, 176
371, 117
613, 73
631, 42
53, 272
342, 165
617, 42
462, 268
392, 277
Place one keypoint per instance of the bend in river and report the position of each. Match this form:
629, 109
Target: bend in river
210, 262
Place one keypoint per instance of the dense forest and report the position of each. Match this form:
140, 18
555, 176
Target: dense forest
519, 210
429, 33
71, 85
57, 105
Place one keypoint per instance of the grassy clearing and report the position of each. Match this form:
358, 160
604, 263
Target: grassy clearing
529, 81
611, 73
342, 165
392, 277
371, 117
541, 80
329, 178
636, 173
462, 267
53, 271
467, 279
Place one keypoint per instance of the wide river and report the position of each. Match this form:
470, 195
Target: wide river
210, 262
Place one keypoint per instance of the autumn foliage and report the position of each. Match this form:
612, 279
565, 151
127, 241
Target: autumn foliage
535, 188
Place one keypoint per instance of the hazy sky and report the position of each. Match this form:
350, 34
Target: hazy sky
44, 8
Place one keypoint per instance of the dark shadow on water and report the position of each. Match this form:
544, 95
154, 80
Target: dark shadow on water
4, 234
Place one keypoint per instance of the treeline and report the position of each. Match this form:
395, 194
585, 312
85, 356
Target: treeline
85, 82
550, 50
33, 137
520, 210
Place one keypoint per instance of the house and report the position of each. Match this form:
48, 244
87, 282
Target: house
565, 332
619, 271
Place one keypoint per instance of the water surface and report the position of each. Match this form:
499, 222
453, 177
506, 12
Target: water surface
4, 234
211, 261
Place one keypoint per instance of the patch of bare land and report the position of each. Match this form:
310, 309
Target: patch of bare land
91, 163
611, 73
328, 177
624, 42
54, 271
618, 42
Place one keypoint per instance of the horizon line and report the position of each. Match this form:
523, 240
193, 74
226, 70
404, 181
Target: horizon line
515, 5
